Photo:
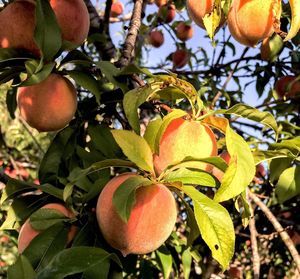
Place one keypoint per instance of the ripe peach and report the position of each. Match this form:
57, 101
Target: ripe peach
185, 138
287, 86
28, 233
180, 58
197, 9
156, 38
167, 13
117, 9
218, 173
251, 21
49, 105
184, 31
72, 17
18, 33
160, 3
151, 221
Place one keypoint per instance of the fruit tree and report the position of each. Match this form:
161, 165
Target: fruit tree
149, 139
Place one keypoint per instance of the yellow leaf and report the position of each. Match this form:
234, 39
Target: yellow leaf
295, 24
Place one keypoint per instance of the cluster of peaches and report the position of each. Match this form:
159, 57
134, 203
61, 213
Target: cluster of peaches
50, 104
154, 212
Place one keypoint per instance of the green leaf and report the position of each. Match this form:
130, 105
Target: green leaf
288, 185
44, 218
215, 226
191, 177
177, 113
11, 101
47, 33
253, 114
124, 196
151, 132
134, 69
264, 155
277, 166
39, 76
131, 102
86, 81
186, 258
293, 145
212, 20
135, 148
21, 269
111, 72
46, 245
165, 260
76, 260
241, 169
243, 207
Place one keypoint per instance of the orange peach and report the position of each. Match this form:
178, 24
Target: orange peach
28, 233
49, 105
160, 3
198, 9
252, 21
184, 31
218, 173
156, 38
287, 87
117, 9
180, 58
151, 221
185, 138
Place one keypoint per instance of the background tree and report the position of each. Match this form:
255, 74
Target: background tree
213, 182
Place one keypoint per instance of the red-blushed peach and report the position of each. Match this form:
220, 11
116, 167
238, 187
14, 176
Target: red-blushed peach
28, 233
117, 9
73, 19
17, 21
167, 13
218, 173
151, 221
49, 105
252, 21
287, 87
180, 58
197, 9
185, 138
160, 3
156, 38
184, 31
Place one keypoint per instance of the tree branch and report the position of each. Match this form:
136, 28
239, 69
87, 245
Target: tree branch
277, 226
129, 45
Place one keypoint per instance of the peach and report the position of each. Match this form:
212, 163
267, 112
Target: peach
160, 3
117, 9
151, 221
156, 38
167, 13
28, 233
18, 33
252, 21
184, 31
72, 17
185, 138
49, 105
197, 9
180, 58
218, 173
287, 87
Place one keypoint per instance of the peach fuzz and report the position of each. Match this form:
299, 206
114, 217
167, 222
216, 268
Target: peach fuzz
151, 221
251, 21
49, 105
287, 86
184, 31
185, 138
28, 233
197, 9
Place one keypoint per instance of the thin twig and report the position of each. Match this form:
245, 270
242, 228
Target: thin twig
129, 45
277, 226
254, 246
